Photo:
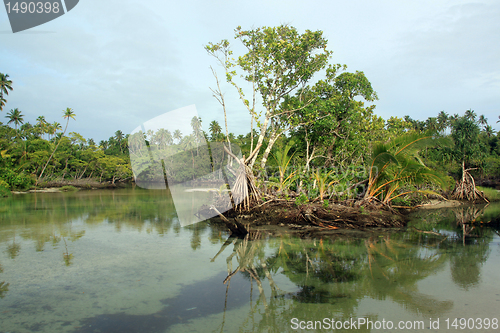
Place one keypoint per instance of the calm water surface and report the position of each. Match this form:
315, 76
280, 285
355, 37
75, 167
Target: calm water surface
119, 261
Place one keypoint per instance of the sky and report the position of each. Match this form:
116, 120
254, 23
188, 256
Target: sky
120, 63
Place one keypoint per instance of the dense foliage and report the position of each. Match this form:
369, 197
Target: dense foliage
314, 140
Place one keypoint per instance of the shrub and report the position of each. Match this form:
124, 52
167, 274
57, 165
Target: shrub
68, 188
5, 192
16, 180
301, 199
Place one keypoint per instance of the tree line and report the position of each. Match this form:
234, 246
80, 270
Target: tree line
32, 154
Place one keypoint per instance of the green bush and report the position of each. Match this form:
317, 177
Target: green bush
5, 192
68, 188
3, 183
301, 199
17, 180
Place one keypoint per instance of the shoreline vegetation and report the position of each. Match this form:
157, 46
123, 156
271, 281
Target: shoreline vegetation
316, 154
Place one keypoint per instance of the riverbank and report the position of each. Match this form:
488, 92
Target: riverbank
64, 185
281, 216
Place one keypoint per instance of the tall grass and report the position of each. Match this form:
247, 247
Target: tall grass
490, 193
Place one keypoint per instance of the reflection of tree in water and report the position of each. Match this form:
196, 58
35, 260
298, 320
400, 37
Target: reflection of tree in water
197, 230
13, 249
466, 263
470, 247
4, 287
470, 230
395, 268
339, 272
47, 219
67, 257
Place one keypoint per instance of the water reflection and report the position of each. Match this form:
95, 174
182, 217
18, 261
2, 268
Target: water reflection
336, 271
266, 281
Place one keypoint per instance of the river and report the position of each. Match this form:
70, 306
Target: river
120, 261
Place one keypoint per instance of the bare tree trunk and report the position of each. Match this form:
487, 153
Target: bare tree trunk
465, 189
50, 157
263, 129
274, 136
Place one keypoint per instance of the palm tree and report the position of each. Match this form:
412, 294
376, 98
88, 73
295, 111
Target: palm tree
442, 119
163, 137
395, 168
177, 136
431, 124
42, 125
5, 86
103, 144
470, 114
67, 114
483, 120
2, 103
215, 130
15, 117
489, 131
53, 128
119, 137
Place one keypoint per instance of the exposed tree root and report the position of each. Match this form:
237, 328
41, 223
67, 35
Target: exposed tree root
465, 188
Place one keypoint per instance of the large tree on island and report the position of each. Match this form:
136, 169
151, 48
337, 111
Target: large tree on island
278, 62
67, 114
335, 127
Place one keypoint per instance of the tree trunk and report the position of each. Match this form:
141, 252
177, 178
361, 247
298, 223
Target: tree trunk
274, 136
465, 188
262, 134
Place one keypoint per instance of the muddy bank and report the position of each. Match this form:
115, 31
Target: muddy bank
312, 218
80, 184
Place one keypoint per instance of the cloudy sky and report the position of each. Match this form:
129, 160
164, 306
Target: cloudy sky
119, 63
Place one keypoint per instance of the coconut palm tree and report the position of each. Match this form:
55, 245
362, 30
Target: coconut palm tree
119, 138
177, 136
42, 125
483, 121
215, 130
431, 124
470, 114
442, 119
489, 131
5, 86
103, 144
163, 137
2, 103
54, 127
67, 114
15, 117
